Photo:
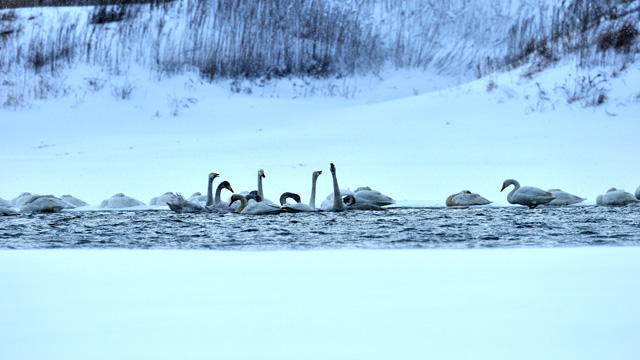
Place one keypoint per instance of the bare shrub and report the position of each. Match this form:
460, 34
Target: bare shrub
122, 92
585, 90
619, 38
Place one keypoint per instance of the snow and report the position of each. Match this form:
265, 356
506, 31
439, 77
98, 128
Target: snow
413, 148
565, 303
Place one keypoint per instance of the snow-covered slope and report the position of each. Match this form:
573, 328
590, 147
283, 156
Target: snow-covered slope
421, 147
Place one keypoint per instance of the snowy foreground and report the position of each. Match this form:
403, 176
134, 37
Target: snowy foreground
579, 303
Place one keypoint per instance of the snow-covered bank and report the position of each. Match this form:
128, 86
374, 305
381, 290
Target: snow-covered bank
423, 147
578, 303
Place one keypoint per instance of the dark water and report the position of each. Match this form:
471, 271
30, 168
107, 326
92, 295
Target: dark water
485, 227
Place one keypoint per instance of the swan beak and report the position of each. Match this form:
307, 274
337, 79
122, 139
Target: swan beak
262, 174
215, 175
503, 186
319, 172
229, 188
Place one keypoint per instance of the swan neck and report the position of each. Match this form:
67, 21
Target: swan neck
218, 200
260, 186
210, 193
312, 199
243, 204
337, 199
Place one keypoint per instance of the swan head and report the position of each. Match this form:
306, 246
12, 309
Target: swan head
317, 173
226, 185
507, 183
261, 173
236, 197
213, 176
333, 168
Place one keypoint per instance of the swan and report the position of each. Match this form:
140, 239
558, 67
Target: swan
563, 198
638, 193
298, 206
7, 210
466, 198
364, 195
217, 203
45, 203
22, 198
198, 197
162, 199
253, 195
527, 195
254, 208
180, 205
73, 200
352, 204
5, 203
615, 197
336, 204
119, 201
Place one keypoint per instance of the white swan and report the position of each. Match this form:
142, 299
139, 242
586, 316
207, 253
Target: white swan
119, 201
162, 200
466, 198
7, 210
73, 200
615, 197
180, 205
198, 197
5, 203
352, 204
563, 198
45, 203
527, 195
298, 206
22, 198
253, 208
336, 204
364, 195
638, 193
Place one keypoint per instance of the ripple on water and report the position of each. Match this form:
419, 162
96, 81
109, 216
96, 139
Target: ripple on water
486, 227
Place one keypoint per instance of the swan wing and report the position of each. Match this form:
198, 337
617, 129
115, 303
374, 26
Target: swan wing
563, 198
529, 195
261, 208
372, 197
297, 207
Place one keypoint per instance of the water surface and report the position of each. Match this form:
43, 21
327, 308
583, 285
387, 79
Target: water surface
399, 228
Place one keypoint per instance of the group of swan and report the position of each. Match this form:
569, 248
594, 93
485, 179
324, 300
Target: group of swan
255, 203
363, 198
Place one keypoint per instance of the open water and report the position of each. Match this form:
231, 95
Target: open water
399, 228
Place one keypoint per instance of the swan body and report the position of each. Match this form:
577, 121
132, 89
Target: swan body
563, 198
5, 203
198, 197
364, 195
352, 204
615, 197
638, 193
162, 199
466, 198
181, 205
253, 208
336, 204
119, 201
298, 206
23, 198
45, 204
7, 210
527, 195
73, 200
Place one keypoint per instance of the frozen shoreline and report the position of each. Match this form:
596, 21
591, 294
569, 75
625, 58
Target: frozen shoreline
569, 303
